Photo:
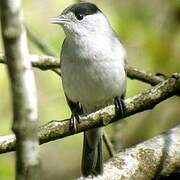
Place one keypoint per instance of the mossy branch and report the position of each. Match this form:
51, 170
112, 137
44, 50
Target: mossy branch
157, 157
141, 102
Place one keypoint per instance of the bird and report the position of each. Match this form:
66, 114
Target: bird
93, 72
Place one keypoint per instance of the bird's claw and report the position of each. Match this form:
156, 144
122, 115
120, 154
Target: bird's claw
73, 122
119, 107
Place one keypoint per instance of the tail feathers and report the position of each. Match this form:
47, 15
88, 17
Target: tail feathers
92, 162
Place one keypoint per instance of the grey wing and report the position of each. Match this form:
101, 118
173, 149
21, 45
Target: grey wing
61, 52
75, 107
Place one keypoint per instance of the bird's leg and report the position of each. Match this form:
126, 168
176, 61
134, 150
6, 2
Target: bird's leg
119, 106
74, 120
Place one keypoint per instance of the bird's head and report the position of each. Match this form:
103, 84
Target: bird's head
82, 19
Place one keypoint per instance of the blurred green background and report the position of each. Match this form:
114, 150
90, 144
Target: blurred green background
150, 31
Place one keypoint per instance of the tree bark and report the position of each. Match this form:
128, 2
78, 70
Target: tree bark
22, 88
151, 159
144, 101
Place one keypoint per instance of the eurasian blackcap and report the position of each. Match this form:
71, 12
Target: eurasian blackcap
93, 73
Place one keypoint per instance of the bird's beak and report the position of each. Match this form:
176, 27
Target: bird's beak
59, 20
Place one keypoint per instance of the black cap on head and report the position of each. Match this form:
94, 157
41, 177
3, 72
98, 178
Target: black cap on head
83, 9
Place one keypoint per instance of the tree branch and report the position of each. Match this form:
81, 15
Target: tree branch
42, 46
108, 144
144, 101
159, 156
143, 76
22, 88
51, 63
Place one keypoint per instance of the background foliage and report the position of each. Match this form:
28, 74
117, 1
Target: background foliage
150, 31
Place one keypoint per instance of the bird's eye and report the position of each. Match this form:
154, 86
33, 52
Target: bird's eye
79, 17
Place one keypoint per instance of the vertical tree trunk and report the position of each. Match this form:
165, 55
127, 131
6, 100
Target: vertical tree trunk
23, 90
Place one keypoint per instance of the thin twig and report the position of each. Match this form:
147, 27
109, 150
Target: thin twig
108, 144
41, 45
57, 71
143, 76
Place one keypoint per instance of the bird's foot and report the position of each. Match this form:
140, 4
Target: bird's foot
119, 107
74, 120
